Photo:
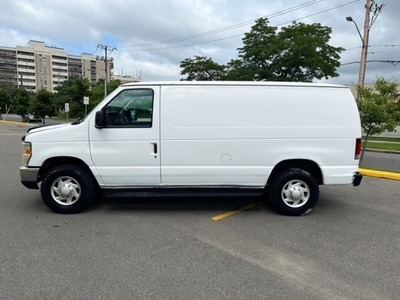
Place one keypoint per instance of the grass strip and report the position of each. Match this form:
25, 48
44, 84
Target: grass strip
383, 146
382, 139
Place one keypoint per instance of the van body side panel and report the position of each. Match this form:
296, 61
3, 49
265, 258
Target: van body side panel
218, 135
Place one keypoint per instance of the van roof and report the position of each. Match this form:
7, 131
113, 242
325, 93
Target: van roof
237, 83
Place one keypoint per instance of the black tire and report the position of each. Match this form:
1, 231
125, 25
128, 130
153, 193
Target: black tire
276, 190
87, 189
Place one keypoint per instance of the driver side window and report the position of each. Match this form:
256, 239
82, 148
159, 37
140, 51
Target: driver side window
131, 108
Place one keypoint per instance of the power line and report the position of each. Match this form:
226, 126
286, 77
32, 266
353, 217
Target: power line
237, 35
394, 62
320, 12
353, 48
234, 26
119, 53
375, 52
384, 46
358, 47
186, 45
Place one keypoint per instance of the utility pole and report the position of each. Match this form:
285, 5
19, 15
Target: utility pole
105, 67
110, 49
365, 39
368, 22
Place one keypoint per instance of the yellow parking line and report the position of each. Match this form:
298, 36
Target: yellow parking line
380, 174
15, 123
236, 211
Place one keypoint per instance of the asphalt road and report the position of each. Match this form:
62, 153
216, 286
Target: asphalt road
347, 248
395, 134
385, 161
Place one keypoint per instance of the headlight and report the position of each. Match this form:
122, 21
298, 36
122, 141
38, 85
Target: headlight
26, 153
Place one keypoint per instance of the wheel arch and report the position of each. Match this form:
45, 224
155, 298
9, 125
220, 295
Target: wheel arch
52, 162
305, 164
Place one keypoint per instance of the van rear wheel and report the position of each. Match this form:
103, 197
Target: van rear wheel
293, 192
68, 189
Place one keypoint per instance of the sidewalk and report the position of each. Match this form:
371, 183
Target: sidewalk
382, 150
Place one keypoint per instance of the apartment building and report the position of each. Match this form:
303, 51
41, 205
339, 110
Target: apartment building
125, 78
40, 66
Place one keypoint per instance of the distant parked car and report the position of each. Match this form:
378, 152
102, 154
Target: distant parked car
32, 118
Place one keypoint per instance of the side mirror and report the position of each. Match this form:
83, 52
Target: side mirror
99, 121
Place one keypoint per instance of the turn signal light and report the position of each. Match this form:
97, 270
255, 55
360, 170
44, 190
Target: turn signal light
26, 153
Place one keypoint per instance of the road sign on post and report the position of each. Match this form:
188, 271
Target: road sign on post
86, 102
67, 109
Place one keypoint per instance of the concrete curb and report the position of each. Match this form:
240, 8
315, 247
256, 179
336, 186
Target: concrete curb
382, 150
16, 123
380, 174
383, 142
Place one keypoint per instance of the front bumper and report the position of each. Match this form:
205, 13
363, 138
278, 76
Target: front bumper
29, 177
357, 178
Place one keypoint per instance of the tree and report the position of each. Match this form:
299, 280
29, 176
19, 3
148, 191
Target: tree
5, 100
238, 70
378, 108
8, 87
72, 91
97, 94
304, 53
201, 68
260, 49
299, 52
21, 100
42, 104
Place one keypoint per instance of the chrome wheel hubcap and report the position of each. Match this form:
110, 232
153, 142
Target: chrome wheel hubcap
65, 190
295, 193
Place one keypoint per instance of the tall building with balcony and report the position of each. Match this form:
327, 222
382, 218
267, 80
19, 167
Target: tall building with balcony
8, 66
39, 66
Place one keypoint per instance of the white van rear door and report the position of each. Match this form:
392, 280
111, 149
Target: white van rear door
126, 151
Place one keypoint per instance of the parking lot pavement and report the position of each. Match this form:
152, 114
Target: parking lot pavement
347, 248
17, 118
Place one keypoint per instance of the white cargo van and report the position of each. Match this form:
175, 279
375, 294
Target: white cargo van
200, 138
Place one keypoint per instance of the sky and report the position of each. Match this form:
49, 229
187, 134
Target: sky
153, 36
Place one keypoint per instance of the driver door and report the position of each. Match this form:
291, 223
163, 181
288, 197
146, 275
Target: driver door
126, 151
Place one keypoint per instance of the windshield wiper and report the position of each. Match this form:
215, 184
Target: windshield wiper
77, 121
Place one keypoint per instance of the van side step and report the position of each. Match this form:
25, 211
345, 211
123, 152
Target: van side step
183, 192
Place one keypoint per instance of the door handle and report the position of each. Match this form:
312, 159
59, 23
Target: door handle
154, 153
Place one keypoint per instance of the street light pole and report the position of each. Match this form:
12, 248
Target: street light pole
350, 19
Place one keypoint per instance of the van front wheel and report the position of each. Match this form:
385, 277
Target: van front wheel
293, 192
68, 189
